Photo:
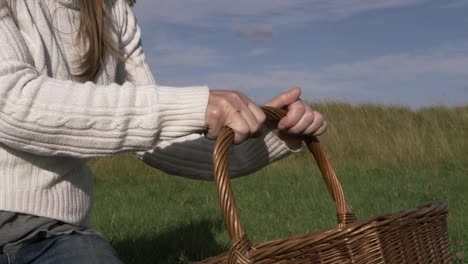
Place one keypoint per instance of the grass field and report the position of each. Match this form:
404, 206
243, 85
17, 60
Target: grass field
388, 159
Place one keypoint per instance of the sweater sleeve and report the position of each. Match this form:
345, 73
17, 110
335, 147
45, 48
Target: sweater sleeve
191, 155
46, 116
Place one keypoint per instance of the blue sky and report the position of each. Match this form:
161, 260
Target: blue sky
408, 52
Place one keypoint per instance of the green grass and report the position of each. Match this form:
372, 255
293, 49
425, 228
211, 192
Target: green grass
389, 159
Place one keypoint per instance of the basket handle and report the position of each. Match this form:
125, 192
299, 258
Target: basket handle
228, 204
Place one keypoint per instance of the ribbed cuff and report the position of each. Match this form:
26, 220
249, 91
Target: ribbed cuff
277, 147
182, 110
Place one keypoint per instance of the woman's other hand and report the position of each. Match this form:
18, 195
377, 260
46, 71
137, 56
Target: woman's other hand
300, 119
235, 110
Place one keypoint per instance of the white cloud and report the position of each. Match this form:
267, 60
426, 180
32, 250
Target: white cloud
450, 60
398, 67
259, 52
258, 35
261, 85
447, 60
368, 79
175, 53
455, 4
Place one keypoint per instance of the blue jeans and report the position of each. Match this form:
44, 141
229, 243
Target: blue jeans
69, 249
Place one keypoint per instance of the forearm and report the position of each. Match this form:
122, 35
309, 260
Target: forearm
46, 116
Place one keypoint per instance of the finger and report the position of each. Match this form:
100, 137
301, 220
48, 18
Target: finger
256, 111
250, 119
259, 115
285, 98
304, 123
321, 130
317, 123
261, 118
295, 112
240, 127
216, 123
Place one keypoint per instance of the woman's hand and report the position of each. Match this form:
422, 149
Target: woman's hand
235, 110
300, 119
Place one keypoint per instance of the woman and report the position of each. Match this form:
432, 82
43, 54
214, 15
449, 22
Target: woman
74, 85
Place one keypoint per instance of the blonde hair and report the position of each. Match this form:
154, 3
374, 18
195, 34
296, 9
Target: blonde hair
95, 23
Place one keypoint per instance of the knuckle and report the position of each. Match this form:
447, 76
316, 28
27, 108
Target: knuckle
308, 131
240, 136
240, 139
318, 115
321, 130
294, 130
256, 128
234, 95
262, 118
309, 118
244, 130
309, 114
297, 108
314, 130
214, 114
223, 101
284, 123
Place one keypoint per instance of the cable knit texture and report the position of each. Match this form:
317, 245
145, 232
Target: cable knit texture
50, 123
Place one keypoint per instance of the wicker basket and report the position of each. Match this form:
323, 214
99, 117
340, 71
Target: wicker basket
417, 235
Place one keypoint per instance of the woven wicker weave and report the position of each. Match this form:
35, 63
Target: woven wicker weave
417, 235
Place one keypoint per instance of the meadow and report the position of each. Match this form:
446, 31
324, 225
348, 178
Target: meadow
388, 158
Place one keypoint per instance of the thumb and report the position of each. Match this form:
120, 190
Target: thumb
285, 98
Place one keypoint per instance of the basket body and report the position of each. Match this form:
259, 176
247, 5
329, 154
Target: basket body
417, 235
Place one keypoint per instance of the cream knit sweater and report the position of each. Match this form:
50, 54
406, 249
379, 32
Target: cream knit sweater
50, 125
